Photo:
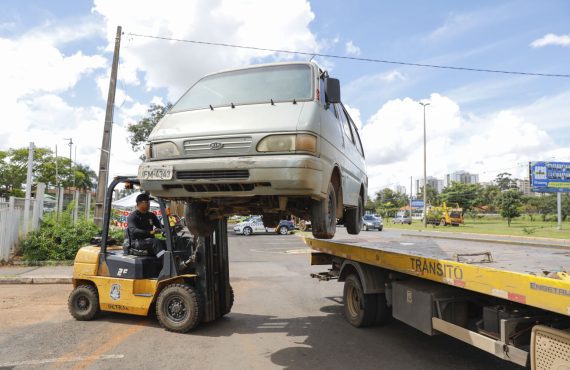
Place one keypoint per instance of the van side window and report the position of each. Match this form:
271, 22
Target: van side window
359, 146
357, 140
345, 124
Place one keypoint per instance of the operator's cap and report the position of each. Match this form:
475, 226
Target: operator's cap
143, 197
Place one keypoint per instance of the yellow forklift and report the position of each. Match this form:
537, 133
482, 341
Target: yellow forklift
189, 286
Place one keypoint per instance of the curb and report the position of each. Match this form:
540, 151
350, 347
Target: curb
494, 241
35, 280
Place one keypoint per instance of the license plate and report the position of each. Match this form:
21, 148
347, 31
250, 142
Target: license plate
156, 172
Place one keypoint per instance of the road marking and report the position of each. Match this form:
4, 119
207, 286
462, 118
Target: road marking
111, 343
60, 360
299, 251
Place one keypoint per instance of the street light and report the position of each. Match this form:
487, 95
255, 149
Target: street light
70, 160
424, 104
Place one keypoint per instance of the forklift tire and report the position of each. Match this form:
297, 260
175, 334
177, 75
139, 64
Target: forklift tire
83, 302
230, 303
179, 308
359, 309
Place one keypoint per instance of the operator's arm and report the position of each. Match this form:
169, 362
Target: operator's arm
155, 221
135, 229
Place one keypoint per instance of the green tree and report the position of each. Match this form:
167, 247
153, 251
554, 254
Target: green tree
387, 202
505, 182
14, 166
466, 195
509, 202
431, 195
140, 131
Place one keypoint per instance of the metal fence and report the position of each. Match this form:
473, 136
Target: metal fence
15, 222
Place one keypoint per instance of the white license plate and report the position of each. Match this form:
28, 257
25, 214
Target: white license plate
156, 172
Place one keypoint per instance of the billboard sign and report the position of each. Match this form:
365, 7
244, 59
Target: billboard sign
550, 177
417, 203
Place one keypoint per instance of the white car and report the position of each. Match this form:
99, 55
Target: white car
267, 139
250, 225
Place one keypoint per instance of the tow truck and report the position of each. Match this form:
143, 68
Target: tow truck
513, 302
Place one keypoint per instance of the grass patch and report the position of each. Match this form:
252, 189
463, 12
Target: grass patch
519, 227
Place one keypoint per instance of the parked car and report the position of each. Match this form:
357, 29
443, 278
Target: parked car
250, 226
255, 224
402, 218
372, 222
270, 139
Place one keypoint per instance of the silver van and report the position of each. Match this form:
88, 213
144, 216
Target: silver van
270, 139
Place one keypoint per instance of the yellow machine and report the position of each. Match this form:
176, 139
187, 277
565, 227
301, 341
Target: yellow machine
445, 215
451, 216
189, 286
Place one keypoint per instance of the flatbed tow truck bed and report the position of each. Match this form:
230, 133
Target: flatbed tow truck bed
517, 289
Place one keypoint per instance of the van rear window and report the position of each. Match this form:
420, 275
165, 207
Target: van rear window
249, 86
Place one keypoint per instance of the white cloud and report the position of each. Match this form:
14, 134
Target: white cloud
487, 145
351, 49
174, 65
551, 39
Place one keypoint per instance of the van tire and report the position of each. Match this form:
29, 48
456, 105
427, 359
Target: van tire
353, 218
196, 220
323, 215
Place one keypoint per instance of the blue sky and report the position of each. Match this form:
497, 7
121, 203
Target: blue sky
57, 56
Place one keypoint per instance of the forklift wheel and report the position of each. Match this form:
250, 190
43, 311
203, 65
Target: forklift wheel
230, 303
179, 308
83, 302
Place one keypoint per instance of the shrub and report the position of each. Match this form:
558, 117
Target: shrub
58, 238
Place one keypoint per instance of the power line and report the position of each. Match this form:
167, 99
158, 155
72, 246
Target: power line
351, 58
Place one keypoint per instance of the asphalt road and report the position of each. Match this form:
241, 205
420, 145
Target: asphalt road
281, 319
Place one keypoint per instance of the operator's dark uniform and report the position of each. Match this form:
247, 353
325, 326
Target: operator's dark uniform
140, 224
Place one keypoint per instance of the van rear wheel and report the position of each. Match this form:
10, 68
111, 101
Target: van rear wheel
353, 218
323, 215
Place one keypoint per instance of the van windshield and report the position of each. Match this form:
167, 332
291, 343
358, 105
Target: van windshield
249, 86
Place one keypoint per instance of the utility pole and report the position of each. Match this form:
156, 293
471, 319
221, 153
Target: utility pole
103, 177
424, 104
28, 188
559, 206
411, 180
70, 160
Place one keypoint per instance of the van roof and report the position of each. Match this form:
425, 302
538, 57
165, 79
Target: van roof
312, 64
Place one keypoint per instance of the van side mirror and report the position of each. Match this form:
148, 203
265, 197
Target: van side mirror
332, 94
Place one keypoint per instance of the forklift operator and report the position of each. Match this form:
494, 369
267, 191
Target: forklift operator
141, 227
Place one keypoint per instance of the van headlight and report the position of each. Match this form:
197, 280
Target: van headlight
164, 150
288, 143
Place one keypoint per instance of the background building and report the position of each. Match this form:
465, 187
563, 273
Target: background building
463, 177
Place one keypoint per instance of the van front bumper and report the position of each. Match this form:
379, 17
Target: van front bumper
223, 177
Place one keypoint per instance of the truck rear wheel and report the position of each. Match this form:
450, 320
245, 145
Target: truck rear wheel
83, 302
323, 215
383, 312
359, 309
179, 308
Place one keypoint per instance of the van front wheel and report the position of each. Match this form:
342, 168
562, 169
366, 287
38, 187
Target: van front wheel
323, 215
